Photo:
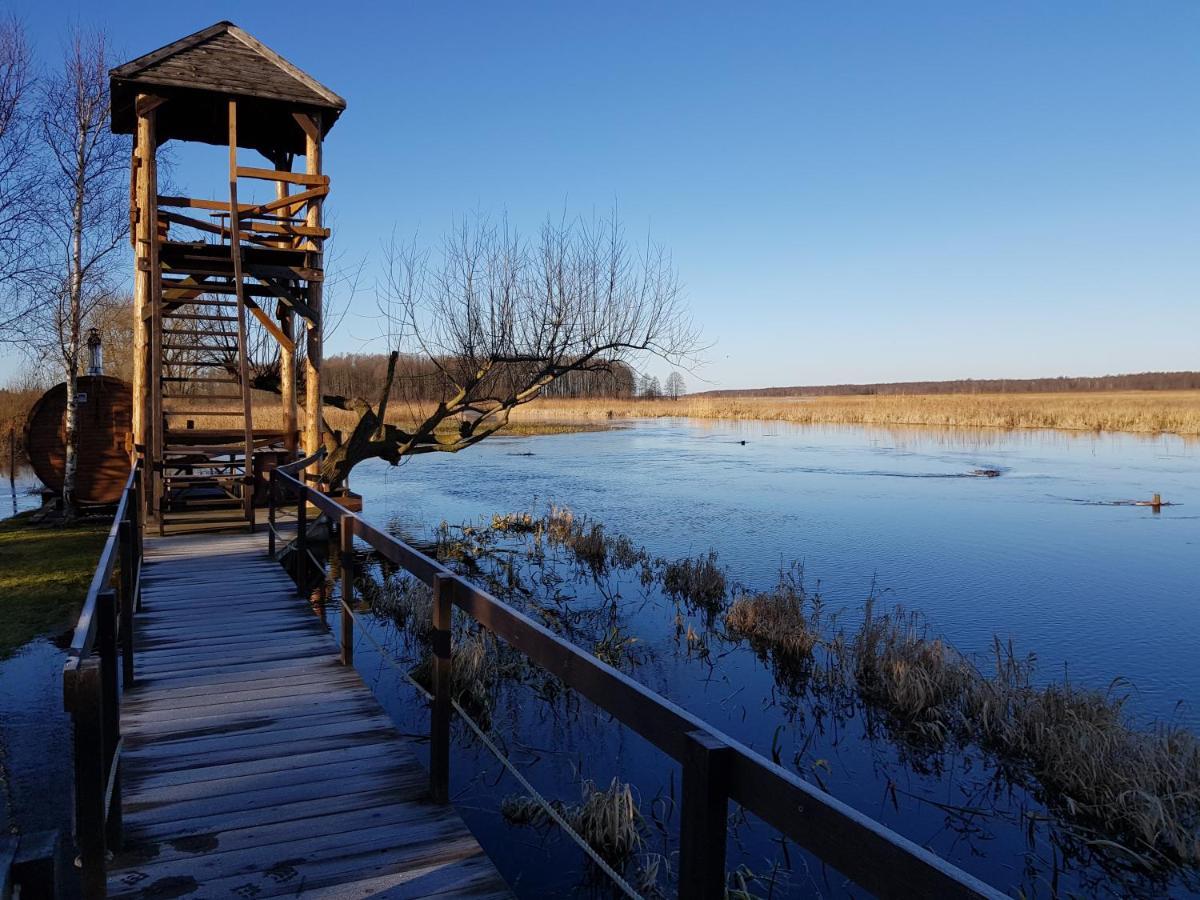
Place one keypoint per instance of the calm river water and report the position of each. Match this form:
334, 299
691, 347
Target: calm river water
1043, 555
1039, 554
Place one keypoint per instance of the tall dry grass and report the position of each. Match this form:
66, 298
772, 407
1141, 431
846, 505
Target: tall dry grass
1148, 412
1136, 790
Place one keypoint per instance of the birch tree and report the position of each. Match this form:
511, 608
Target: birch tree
83, 212
20, 175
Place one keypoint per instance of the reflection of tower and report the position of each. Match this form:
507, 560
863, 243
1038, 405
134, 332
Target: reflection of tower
207, 270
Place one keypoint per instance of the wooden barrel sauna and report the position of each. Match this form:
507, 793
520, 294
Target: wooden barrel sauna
105, 422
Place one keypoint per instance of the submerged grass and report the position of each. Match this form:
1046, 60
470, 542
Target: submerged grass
919, 680
698, 581
786, 620
1136, 791
1140, 785
44, 576
608, 819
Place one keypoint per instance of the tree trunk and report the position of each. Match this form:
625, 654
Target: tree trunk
75, 302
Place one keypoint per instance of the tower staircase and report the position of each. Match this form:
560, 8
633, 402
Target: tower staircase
213, 292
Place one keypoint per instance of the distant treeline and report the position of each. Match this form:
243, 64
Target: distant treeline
1142, 381
418, 378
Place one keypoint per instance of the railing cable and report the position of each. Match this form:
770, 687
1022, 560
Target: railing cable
533, 792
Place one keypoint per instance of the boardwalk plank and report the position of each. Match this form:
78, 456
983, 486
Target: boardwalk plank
256, 765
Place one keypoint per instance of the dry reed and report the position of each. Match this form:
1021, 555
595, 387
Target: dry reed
786, 619
699, 582
1137, 411
608, 820
1137, 790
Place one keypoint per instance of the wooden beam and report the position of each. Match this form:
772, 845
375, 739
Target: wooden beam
313, 359
288, 345
287, 324
290, 299
235, 248
311, 126
281, 175
292, 200
194, 203
147, 103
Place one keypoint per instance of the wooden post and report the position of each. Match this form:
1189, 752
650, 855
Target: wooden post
301, 542
235, 249
127, 547
704, 817
152, 319
272, 487
84, 696
106, 646
138, 534
313, 362
347, 563
287, 357
144, 239
439, 715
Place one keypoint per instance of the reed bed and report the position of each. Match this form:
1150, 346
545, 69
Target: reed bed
405, 600
608, 819
1135, 791
918, 679
787, 620
1149, 412
698, 581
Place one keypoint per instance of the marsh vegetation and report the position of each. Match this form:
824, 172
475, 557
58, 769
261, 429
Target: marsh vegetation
1064, 762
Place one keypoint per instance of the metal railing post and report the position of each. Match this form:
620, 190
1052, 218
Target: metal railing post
439, 714
704, 817
347, 562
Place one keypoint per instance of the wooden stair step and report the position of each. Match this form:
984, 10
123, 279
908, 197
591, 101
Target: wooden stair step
204, 448
193, 478
197, 301
197, 317
202, 396
201, 379
196, 332
197, 364
223, 348
204, 412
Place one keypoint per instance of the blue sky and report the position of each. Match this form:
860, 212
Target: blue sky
852, 191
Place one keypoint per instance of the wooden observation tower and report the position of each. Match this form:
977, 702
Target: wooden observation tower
227, 292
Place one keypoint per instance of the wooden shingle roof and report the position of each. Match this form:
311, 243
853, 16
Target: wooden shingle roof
200, 72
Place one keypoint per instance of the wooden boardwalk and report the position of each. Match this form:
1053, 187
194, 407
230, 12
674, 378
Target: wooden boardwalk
254, 764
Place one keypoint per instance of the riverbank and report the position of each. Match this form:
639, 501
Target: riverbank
44, 576
1143, 412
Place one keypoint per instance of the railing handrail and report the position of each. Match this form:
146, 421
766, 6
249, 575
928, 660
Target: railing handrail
85, 629
98, 668
866, 851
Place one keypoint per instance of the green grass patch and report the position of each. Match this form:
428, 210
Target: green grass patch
44, 576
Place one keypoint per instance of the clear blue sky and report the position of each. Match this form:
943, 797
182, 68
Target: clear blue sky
859, 191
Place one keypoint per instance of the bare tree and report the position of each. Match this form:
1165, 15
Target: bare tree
20, 174
675, 387
84, 216
498, 318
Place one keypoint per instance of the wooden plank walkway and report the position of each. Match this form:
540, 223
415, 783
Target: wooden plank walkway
255, 765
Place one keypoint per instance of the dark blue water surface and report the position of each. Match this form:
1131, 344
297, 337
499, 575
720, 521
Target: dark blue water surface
1043, 555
